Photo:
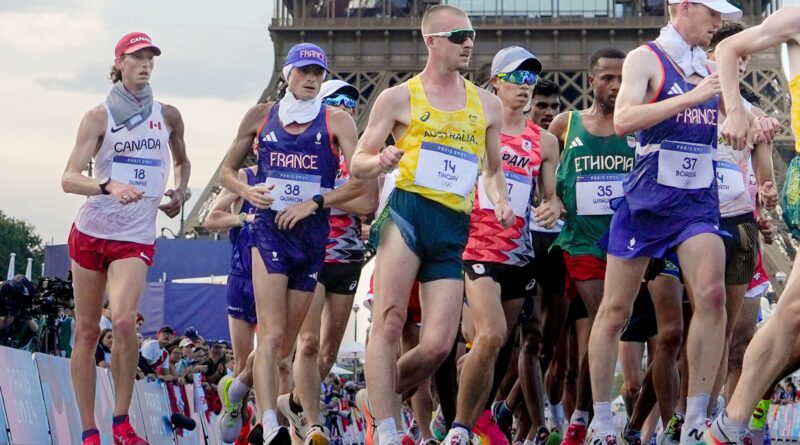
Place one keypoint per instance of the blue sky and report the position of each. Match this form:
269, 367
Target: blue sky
217, 58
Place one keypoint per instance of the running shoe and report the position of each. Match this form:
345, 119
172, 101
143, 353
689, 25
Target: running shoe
718, 407
437, 426
277, 436
716, 434
672, 433
694, 434
553, 439
124, 434
362, 402
542, 434
631, 437
576, 435
414, 431
256, 436
406, 439
488, 431
456, 436
316, 435
603, 439
297, 421
229, 420
502, 416
94, 439
758, 420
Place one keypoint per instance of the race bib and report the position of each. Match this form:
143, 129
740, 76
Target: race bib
291, 188
339, 182
145, 174
446, 169
519, 193
685, 165
730, 182
594, 192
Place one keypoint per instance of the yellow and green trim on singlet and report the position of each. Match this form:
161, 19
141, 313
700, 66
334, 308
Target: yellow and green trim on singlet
790, 198
794, 90
463, 129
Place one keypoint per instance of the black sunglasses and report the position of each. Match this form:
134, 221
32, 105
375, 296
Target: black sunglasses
457, 36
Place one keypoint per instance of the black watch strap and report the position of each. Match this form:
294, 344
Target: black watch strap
103, 185
320, 200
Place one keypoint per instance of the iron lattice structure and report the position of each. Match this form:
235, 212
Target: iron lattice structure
376, 44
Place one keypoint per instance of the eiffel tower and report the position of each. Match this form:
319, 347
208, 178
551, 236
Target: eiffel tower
375, 44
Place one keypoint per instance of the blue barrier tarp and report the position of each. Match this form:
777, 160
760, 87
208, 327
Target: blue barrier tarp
177, 258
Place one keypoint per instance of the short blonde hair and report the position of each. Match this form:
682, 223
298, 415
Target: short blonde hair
429, 18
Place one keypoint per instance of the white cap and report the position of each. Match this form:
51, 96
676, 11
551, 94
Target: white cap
334, 85
728, 11
152, 351
513, 58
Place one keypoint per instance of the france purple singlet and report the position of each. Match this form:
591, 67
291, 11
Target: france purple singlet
299, 166
671, 194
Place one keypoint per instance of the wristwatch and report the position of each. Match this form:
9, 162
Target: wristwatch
103, 184
242, 217
320, 200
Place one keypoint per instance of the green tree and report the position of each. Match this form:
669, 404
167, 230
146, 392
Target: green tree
18, 236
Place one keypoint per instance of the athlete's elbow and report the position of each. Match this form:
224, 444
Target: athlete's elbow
66, 183
622, 127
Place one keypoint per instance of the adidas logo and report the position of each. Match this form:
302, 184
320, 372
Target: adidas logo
577, 142
675, 90
270, 137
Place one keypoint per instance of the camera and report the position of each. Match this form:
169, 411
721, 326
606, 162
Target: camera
51, 295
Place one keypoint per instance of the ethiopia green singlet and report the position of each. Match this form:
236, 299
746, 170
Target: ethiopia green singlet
589, 176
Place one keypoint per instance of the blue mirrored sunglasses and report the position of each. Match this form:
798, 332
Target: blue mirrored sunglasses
519, 77
340, 99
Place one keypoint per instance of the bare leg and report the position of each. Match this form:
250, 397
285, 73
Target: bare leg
623, 280
667, 294
125, 281
440, 299
768, 351
630, 357
395, 271
745, 328
490, 335
702, 262
304, 369
280, 314
88, 287
335, 315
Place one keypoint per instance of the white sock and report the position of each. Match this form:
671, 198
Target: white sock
528, 442
696, 408
556, 412
269, 421
237, 390
603, 421
579, 418
387, 431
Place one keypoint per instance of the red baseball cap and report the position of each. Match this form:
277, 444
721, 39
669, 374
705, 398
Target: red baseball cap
132, 42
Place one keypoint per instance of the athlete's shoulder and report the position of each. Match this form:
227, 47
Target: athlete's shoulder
559, 125
642, 56
96, 118
396, 94
171, 115
337, 115
256, 115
